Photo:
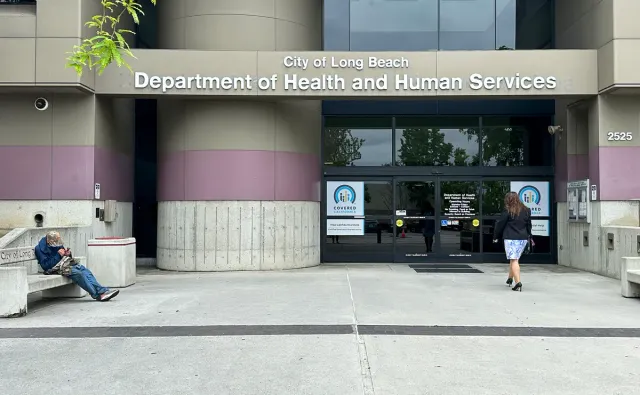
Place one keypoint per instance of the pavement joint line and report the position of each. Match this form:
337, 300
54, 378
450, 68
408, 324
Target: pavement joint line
308, 330
365, 367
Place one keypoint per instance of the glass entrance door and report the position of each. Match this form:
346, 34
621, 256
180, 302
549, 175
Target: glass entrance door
437, 219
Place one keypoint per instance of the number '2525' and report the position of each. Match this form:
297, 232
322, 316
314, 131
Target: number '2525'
619, 136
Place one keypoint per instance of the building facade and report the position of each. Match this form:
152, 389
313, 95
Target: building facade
275, 134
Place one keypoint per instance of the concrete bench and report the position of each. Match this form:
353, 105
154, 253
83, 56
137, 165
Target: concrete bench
17, 282
630, 276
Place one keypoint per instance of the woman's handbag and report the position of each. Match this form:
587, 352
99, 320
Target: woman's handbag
528, 249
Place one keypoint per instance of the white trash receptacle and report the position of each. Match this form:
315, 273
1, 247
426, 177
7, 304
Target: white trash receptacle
113, 260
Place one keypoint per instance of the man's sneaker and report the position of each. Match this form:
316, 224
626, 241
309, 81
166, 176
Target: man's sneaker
110, 294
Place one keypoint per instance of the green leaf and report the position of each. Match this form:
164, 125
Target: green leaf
108, 45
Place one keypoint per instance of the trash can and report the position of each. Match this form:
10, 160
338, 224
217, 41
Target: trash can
113, 260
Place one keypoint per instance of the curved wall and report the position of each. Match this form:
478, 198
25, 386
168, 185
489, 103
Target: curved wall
239, 181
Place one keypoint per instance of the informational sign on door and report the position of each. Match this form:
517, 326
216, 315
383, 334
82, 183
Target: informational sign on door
459, 205
535, 195
540, 227
345, 227
345, 198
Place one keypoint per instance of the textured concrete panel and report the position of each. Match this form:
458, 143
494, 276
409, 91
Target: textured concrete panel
17, 51
291, 36
17, 21
115, 124
298, 123
619, 218
51, 54
260, 8
625, 15
196, 125
212, 32
59, 18
73, 119
626, 52
617, 114
606, 66
230, 236
21, 124
229, 125
255, 25
584, 24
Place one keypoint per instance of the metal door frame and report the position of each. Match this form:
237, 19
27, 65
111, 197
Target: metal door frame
437, 255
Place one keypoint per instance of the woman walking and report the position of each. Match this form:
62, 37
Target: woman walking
514, 227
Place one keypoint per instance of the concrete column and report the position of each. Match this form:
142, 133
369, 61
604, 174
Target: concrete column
14, 289
613, 167
239, 181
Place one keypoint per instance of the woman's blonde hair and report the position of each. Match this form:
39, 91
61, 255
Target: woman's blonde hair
513, 204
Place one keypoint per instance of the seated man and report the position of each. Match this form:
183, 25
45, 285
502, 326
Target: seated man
54, 258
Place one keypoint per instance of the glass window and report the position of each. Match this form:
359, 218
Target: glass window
492, 205
392, 25
516, 141
437, 141
506, 24
524, 24
467, 24
493, 193
358, 142
336, 25
376, 244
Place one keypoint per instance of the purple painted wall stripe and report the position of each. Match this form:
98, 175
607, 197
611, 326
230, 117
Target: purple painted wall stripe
618, 173
238, 175
64, 173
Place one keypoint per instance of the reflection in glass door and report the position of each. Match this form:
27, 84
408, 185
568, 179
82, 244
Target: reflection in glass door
437, 220
416, 233
366, 234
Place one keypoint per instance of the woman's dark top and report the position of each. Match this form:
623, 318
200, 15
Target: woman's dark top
510, 228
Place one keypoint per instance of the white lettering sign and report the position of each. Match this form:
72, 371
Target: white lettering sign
334, 82
345, 227
13, 255
540, 227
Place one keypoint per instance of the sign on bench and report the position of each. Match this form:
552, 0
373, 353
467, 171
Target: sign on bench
15, 255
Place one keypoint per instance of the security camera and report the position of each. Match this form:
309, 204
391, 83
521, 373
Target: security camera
41, 104
554, 129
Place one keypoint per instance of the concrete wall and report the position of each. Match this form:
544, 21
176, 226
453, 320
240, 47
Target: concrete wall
51, 159
238, 235
618, 218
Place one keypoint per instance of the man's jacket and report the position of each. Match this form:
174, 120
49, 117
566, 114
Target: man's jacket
47, 255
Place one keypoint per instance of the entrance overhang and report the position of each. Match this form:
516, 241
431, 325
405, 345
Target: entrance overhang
354, 75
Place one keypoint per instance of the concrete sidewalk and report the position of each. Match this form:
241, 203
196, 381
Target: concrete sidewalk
335, 330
